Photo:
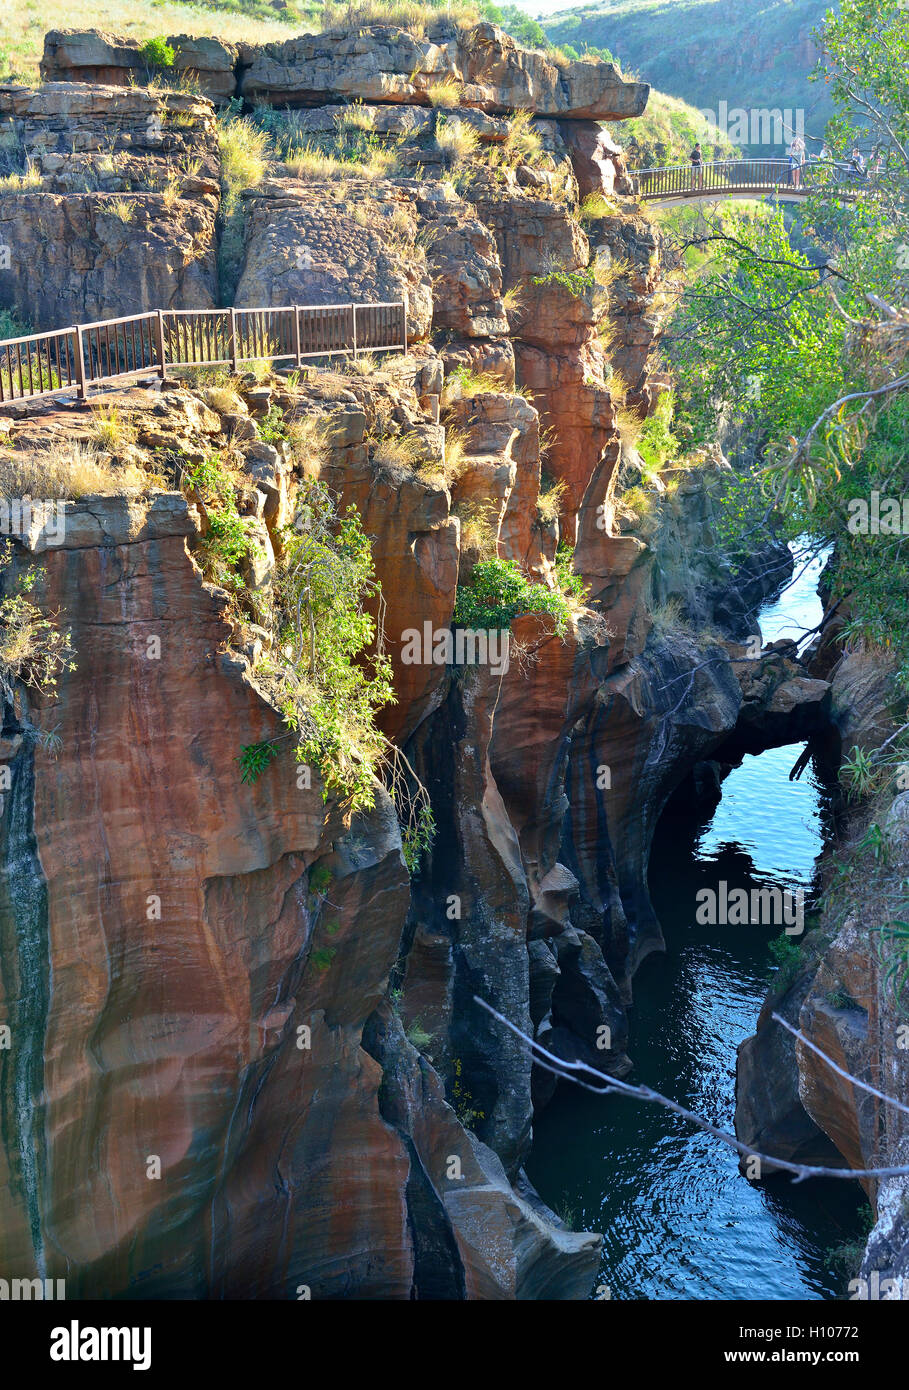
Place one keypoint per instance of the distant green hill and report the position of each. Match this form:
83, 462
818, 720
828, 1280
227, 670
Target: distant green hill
748, 53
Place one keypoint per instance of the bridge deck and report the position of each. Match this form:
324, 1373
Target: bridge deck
747, 178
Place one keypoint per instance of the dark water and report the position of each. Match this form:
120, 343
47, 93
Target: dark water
678, 1219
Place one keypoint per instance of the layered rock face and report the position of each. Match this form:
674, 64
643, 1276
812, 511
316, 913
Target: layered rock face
119, 207
249, 1058
374, 64
846, 995
214, 952
331, 249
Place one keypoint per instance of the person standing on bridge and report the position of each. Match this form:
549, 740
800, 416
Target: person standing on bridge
796, 160
857, 164
697, 166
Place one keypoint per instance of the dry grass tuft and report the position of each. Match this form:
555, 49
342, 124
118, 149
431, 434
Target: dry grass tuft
111, 428
550, 501
397, 451
68, 469
244, 155
523, 143
456, 140
479, 528
445, 94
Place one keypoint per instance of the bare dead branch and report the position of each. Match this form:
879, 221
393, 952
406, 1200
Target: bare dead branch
571, 1071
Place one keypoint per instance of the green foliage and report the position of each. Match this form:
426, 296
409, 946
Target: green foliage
865, 773
874, 842
320, 877
328, 687
322, 957
461, 1099
418, 836
33, 649
254, 759
761, 336
787, 955
755, 334
528, 32
273, 427
11, 326
498, 592
656, 442
579, 282
228, 540
157, 53
417, 1035
571, 584
865, 70
847, 1257
323, 676
893, 951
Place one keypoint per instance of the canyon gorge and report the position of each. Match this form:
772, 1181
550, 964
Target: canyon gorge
246, 1052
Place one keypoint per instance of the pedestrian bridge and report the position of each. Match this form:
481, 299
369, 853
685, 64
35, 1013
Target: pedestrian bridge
748, 178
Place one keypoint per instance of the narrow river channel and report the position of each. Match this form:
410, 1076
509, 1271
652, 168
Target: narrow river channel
678, 1219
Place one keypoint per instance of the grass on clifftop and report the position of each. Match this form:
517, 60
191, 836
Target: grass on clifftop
23, 26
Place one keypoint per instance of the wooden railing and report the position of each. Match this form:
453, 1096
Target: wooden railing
729, 176
89, 354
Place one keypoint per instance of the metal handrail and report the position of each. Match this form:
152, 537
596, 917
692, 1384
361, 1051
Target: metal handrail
732, 174
59, 361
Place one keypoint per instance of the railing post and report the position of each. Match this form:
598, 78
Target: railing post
79, 364
297, 351
353, 320
233, 341
159, 334
406, 304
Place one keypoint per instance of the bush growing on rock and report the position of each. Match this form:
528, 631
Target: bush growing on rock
32, 648
157, 53
498, 592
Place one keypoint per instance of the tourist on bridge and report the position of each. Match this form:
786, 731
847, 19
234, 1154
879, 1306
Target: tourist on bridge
697, 162
796, 160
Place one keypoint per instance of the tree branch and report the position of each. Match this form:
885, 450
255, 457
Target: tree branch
570, 1071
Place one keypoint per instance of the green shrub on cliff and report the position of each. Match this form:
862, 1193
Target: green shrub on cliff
33, 649
328, 691
498, 592
578, 282
326, 669
227, 541
656, 443
157, 53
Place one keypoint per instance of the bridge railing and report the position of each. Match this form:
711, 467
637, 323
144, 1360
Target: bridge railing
91, 354
723, 175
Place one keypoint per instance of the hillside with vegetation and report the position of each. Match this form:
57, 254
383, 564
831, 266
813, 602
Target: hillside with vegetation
705, 51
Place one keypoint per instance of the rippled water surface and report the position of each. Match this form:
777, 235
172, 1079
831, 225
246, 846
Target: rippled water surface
678, 1219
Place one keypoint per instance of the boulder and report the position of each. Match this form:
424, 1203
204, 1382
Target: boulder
304, 245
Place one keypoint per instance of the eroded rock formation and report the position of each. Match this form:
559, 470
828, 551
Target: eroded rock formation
239, 981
